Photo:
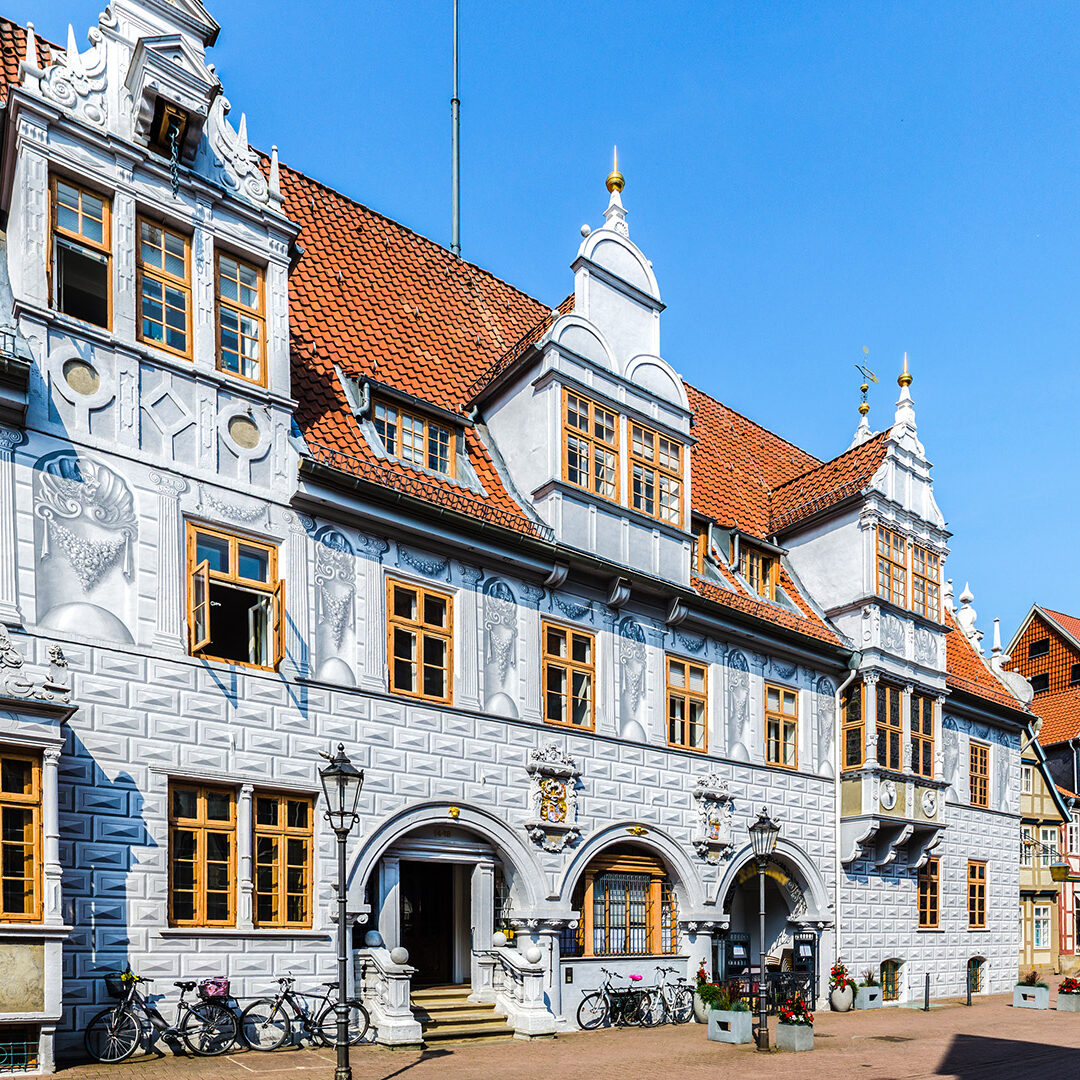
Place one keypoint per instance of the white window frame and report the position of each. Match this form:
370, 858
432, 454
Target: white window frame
1072, 836
1026, 849
1027, 779
1048, 838
1042, 914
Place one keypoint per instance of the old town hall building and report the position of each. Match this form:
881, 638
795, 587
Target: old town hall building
278, 473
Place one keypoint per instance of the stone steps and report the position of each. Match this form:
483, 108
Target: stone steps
446, 1015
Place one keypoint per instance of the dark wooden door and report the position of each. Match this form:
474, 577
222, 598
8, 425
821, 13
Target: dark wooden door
427, 920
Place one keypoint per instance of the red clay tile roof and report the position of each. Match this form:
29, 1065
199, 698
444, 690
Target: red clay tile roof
1069, 623
1066, 792
1060, 712
13, 51
827, 484
967, 670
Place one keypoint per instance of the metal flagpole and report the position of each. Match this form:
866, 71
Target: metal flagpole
455, 153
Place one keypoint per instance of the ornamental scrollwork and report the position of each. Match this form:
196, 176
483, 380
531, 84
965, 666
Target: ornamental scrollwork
713, 838
553, 776
429, 565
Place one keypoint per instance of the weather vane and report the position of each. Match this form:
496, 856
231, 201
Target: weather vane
868, 378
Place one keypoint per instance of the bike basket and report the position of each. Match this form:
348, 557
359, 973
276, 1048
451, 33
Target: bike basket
214, 989
116, 984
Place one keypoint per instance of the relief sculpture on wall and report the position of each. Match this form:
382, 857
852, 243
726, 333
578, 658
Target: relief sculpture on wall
825, 714
632, 671
500, 648
738, 705
950, 738
335, 591
553, 777
713, 839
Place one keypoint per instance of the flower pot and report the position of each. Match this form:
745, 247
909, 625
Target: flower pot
731, 1027
701, 1010
1068, 1002
1031, 997
868, 997
794, 1037
842, 1000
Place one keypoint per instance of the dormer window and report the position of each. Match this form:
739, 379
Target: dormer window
657, 474
759, 570
925, 583
892, 566
414, 439
591, 446
168, 129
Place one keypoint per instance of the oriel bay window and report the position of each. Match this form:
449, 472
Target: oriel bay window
414, 439
854, 730
241, 319
20, 837
569, 676
979, 774
922, 735
236, 603
781, 726
81, 266
687, 695
419, 641
202, 855
282, 848
925, 583
890, 725
656, 480
164, 288
891, 566
628, 907
590, 446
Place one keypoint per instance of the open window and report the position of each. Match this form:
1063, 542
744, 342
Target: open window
236, 604
81, 266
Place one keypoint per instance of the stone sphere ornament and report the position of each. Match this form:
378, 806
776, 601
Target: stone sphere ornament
373, 939
498, 939
533, 954
400, 955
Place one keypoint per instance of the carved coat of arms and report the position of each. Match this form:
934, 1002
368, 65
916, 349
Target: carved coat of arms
552, 820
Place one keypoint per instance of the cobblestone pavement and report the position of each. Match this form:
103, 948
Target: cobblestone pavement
991, 1040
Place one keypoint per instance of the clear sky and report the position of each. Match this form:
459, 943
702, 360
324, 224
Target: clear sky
808, 178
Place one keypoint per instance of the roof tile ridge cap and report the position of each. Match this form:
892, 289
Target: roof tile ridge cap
412, 232
50, 45
742, 416
1058, 614
878, 438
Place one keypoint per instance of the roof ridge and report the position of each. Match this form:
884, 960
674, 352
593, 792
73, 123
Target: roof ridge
821, 464
22, 26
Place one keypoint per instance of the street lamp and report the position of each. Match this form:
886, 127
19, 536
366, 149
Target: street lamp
763, 834
341, 784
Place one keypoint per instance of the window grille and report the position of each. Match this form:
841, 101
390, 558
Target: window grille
890, 982
974, 974
621, 911
18, 1049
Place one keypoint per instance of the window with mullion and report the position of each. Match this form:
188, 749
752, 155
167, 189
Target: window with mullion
687, 689
283, 841
781, 726
925, 583
590, 446
890, 725
922, 735
891, 566
164, 282
569, 676
241, 319
1026, 846
419, 641
20, 837
656, 474
854, 730
414, 439
979, 774
202, 855
929, 880
976, 895
81, 265
1048, 845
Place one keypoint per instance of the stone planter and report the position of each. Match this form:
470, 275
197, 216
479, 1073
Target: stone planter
794, 1037
842, 1000
868, 997
1068, 1002
701, 1010
731, 1027
1031, 997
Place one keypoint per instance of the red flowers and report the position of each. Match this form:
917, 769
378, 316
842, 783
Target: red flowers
1069, 986
794, 1011
839, 977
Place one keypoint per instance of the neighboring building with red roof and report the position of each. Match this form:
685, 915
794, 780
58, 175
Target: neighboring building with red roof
277, 473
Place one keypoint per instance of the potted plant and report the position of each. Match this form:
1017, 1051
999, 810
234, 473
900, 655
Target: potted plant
795, 1029
1030, 993
868, 994
730, 1020
841, 988
701, 1004
1069, 995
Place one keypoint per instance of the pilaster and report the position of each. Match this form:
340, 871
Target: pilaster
297, 598
171, 580
871, 681
390, 900
9, 541
50, 812
245, 908
905, 727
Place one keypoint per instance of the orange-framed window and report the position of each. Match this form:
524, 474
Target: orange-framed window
891, 566
420, 641
202, 855
688, 704
656, 481
854, 725
414, 439
163, 284
236, 602
890, 726
977, 882
926, 583
81, 260
699, 549
922, 735
628, 908
590, 446
781, 726
979, 774
569, 676
929, 893
283, 828
20, 837
241, 319
759, 570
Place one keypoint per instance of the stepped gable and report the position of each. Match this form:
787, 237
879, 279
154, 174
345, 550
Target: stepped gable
966, 670
13, 50
827, 484
1060, 712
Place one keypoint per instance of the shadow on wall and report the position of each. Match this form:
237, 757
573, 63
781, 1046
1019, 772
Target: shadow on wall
974, 1057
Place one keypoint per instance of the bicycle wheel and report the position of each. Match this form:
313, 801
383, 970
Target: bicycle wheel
654, 1009
112, 1035
326, 1025
638, 1004
681, 1005
592, 1012
264, 1025
209, 1029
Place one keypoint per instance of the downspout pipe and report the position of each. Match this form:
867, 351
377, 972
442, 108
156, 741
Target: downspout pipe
853, 672
1074, 743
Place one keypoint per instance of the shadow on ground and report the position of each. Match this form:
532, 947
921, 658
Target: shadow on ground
977, 1057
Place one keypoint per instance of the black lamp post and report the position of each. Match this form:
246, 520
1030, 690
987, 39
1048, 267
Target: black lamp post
763, 834
341, 784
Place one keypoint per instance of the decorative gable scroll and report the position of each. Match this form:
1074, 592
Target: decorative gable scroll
553, 777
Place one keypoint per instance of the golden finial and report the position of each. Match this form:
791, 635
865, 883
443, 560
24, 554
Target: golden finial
905, 377
869, 377
615, 181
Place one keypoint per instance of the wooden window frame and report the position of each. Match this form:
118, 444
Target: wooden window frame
20, 801
199, 576
240, 310
655, 473
760, 570
1027, 847
699, 548
56, 229
688, 697
282, 832
889, 727
166, 280
1053, 834
922, 735
783, 720
855, 692
926, 582
979, 777
890, 980
592, 440
201, 825
887, 566
421, 631
661, 896
427, 427
978, 882
930, 894
570, 666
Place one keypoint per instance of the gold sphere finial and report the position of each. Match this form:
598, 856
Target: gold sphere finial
864, 408
615, 181
904, 378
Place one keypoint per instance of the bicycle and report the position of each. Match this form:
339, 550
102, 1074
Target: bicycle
670, 1003
266, 1024
615, 1004
206, 1028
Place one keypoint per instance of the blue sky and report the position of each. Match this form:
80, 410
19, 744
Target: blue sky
807, 179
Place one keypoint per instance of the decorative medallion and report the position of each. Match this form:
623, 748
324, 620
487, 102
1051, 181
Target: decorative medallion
638, 830
712, 839
887, 794
553, 776
455, 812
929, 803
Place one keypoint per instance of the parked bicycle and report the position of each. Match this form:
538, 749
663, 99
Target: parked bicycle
206, 1026
669, 1003
267, 1024
613, 1004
